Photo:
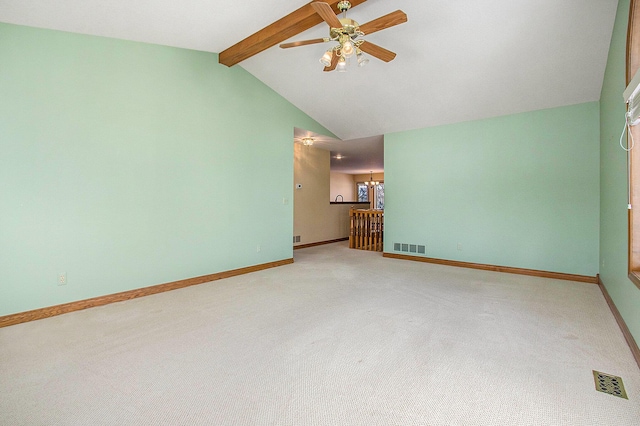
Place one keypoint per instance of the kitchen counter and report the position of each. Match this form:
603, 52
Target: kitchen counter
349, 202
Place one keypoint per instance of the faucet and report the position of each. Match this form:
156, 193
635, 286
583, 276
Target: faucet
340, 197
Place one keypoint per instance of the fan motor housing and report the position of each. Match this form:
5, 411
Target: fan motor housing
349, 27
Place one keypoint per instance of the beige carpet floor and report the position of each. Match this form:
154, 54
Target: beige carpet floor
340, 337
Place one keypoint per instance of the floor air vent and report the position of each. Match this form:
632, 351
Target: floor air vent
609, 384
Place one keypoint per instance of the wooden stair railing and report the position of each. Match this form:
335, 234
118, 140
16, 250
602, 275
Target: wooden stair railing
367, 229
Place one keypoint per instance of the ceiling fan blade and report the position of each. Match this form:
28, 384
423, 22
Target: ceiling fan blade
377, 51
390, 20
302, 43
326, 13
334, 62
284, 28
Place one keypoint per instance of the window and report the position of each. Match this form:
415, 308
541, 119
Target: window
633, 64
379, 190
363, 193
377, 195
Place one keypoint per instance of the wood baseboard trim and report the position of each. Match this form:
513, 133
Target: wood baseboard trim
51, 311
507, 269
320, 243
635, 351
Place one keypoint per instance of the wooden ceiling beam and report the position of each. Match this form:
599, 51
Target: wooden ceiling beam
291, 25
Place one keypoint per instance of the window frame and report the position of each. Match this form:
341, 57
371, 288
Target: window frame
376, 195
372, 194
358, 185
632, 66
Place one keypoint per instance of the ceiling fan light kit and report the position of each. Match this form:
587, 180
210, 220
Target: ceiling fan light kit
326, 58
362, 60
346, 32
342, 65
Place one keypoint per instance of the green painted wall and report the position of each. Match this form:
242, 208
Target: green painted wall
613, 181
519, 190
127, 165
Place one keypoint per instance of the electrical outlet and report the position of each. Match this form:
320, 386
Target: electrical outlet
459, 247
62, 278
258, 248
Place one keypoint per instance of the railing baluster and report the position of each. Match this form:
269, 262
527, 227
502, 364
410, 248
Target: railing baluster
351, 229
367, 229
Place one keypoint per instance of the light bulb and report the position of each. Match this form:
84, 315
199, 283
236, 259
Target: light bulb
347, 49
362, 60
342, 65
326, 58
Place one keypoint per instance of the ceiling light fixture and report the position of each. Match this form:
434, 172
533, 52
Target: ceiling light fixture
372, 182
347, 43
348, 34
326, 58
307, 141
347, 48
362, 60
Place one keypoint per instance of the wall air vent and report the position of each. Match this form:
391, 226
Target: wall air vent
410, 248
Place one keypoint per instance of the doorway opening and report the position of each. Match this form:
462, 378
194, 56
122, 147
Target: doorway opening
328, 173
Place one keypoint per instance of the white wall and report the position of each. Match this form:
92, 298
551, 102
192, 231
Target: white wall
314, 218
342, 184
521, 190
125, 165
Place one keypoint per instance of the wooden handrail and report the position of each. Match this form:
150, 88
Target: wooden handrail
367, 229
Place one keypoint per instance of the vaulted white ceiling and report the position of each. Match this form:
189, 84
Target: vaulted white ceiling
457, 60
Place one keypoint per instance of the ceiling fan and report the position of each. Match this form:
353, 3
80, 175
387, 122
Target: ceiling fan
346, 33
